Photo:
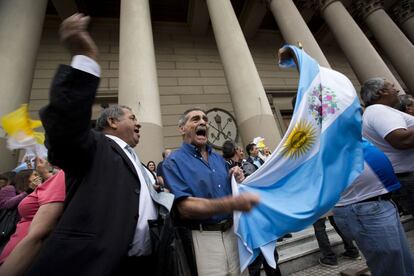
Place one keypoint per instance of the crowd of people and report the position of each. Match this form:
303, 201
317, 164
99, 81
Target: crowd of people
88, 214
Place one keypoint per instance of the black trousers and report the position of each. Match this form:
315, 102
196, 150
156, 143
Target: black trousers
133, 266
323, 240
254, 267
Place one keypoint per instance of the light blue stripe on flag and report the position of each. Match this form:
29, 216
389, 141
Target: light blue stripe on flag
319, 156
311, 70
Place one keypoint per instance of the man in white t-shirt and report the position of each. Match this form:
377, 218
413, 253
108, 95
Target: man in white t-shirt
392, 131
366, 215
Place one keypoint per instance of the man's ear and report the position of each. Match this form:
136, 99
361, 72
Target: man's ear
112, 123
382, 92
181, 129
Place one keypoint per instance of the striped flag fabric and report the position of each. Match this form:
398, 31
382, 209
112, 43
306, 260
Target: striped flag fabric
318, 157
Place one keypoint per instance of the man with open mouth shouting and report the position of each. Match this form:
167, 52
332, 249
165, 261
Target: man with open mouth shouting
200, 181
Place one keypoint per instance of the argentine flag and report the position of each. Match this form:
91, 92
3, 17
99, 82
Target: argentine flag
319, 156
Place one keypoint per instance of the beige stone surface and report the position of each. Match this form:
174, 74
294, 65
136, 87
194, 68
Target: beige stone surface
36, 105
41, 83
199, 65
179, 108
180, 90
212, 73
215, 89
173, 142
149, 148
178, 73
248, 130
39, 94
170, 120
219, 98
170, 100
167, 81
225, 106
171, 131
201, 81
9, 159
189, 68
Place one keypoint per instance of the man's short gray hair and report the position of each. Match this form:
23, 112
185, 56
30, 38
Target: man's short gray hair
183, 118
112, 112
370, 90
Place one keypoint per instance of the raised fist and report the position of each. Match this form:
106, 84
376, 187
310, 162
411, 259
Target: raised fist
75, 36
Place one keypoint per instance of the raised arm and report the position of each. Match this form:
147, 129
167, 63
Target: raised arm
43, 168
26, 250
75, 36
66, 118
191, 207
391, 126
10, 198
201, 208
401, 138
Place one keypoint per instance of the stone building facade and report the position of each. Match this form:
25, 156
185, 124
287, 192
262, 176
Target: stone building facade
223, 55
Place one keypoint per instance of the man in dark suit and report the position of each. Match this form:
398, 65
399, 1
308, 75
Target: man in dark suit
253, 152
103, 229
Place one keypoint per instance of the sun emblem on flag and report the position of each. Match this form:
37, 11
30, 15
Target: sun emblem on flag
300, 140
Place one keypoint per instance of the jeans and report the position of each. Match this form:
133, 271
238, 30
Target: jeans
376, 228
323, 240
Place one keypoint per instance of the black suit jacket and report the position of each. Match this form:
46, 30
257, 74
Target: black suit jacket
102, 186
250, 160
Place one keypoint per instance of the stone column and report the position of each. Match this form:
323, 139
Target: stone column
364, 59
21, 24
250, 103
403, 14
294, 29
395, 44
138, 84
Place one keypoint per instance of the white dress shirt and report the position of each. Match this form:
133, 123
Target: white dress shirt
86, 64
141, 245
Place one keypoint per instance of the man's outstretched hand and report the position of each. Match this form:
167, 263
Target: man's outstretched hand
75, 36
245, 202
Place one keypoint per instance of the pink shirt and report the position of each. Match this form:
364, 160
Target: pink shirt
52, 190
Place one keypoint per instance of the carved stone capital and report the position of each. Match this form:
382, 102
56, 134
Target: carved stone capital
403, 11
361, 9
323, 4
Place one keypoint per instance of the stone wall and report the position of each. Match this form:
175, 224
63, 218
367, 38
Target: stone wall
190, 72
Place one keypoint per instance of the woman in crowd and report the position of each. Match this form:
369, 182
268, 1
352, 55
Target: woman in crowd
40, 211
152, 168
23, 184
7, 178
266, 153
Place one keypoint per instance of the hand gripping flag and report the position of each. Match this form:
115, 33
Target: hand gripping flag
319, 156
